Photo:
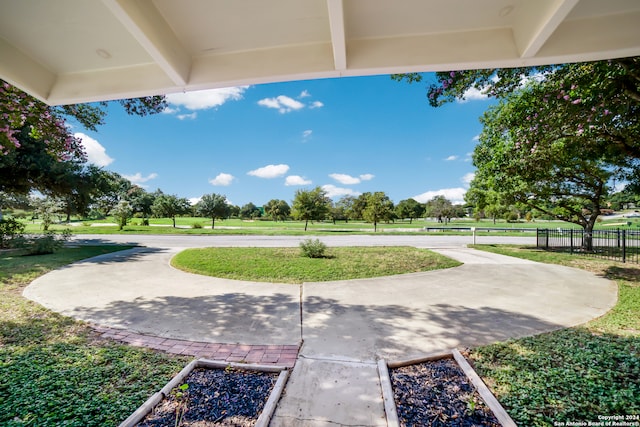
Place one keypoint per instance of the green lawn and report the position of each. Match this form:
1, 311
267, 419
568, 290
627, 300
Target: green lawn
573, 374
54, 371
266, 227
286, 265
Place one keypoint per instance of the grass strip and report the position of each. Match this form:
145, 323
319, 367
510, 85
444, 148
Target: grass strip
53, 369
287, 265
576, 374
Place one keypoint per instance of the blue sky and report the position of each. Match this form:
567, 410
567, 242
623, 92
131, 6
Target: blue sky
262, 142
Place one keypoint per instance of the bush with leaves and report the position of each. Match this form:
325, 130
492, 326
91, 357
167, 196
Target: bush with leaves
313, 248
11, 232
47, 243
122, 212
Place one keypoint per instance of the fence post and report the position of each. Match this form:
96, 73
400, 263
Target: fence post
624, 245
618, 230
571, 241
546, 238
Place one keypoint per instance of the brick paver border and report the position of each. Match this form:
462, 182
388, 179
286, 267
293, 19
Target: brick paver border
282, 355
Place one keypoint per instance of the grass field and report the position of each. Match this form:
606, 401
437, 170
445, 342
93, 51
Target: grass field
286, 265
264, 227
53, 370
574, 374
185, 225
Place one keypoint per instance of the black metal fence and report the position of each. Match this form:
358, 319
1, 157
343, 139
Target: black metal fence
619, 245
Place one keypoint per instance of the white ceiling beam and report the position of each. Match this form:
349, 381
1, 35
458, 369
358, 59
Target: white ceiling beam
149, 28
23, 72
536, 22
338, 38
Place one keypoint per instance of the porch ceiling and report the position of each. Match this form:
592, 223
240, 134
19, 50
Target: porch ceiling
69, 51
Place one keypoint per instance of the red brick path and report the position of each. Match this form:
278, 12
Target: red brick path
281, 355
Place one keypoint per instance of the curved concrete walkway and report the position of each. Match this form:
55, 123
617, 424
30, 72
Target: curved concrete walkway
344, 327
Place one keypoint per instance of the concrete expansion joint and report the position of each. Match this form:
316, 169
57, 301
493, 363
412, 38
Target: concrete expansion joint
323, 421
339, 360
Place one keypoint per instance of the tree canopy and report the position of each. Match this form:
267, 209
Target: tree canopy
170, 206
37, 147
20, 112
310, 205
409, 208
277, 210
558, 139
378, 208
213, 206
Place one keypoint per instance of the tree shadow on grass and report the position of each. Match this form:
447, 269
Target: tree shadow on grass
566, 375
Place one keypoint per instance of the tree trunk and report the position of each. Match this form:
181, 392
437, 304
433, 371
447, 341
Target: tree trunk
213, 222
173, 218
587, 241
375, 226
306, 221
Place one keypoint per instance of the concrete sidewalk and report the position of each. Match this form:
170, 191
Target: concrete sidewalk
344, 327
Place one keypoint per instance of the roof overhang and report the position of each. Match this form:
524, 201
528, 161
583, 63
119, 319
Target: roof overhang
70, 51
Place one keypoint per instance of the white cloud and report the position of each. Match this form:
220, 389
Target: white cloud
190, 116
169, 110
467, 178
316, 104
96, 153
304, 94
205, 99
476, 138
307, 133
473, 94
333, 191
194, 200
451, 158
282, 103
345, 179
223, 180
455, 195
270, 171
138, 179
296, 180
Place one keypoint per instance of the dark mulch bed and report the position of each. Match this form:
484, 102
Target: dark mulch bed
438, 393
215, 397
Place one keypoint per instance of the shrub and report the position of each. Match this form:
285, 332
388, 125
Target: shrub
48, 243
10, 232
145, 222
196, 225
313, 248
122, 212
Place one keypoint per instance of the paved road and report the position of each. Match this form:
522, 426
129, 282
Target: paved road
344, 326
185, 241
